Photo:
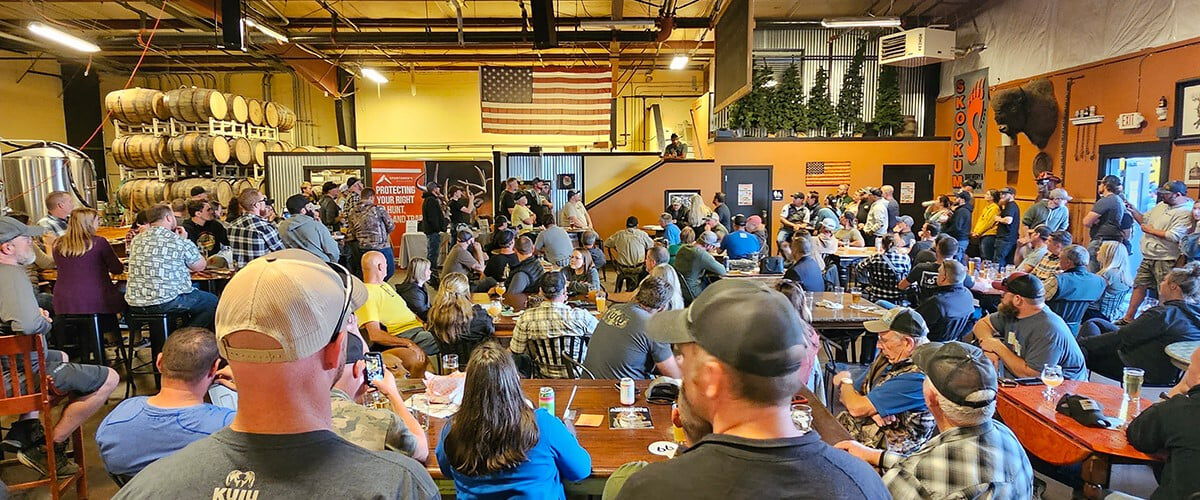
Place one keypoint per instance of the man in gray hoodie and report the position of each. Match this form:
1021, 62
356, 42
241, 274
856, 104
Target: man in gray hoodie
305, 232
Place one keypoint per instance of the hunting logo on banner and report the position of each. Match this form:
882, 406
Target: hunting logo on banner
970, 127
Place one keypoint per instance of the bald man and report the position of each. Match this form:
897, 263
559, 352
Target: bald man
385, 316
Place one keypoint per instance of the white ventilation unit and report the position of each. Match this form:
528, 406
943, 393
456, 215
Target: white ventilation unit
917, 47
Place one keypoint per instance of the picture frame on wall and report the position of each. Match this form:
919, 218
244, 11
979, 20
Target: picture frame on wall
1187, 111
678, 194
1191, 168
566, 181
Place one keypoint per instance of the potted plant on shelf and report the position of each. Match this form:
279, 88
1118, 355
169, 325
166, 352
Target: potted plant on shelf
850, 99
887, 102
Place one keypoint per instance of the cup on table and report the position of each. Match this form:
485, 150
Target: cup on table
840, 294
802, 417
855, 295
449, 363
494, 309
501, 289
601, 301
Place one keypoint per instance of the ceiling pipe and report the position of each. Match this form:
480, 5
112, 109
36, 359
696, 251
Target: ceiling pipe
322, 24
385, 38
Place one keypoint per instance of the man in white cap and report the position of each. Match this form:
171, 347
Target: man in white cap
282, 325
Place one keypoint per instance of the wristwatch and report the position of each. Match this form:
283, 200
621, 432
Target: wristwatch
846, 380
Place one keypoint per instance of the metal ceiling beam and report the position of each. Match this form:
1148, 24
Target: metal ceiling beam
391, 38
208, 60
323, 24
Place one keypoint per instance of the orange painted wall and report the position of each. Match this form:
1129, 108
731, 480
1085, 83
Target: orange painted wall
1123, 84
644, 198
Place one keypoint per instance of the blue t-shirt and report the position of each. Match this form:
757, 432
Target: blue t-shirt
740, 244
135, 433
899, 394
556, 456
808, 273
671, 232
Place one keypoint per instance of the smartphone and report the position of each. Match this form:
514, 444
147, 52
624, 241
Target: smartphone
1030, 381
374, 362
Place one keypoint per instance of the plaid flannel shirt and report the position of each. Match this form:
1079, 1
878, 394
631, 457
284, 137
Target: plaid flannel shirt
252, 237
550, 320
54, 225
1047, 267
884, 272
985, 461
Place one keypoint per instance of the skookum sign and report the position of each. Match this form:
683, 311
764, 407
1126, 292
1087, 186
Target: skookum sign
970, 126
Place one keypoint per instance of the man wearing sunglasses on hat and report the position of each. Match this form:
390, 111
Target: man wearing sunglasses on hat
282, 325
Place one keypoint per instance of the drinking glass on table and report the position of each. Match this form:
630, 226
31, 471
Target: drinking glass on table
839, 295
501, 289
802, 417
601, 301
1052, 376
450, 363
855, 295
1132, 383
494, 309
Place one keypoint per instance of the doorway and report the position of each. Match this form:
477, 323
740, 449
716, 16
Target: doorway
748, 192
913, 184
1142, 167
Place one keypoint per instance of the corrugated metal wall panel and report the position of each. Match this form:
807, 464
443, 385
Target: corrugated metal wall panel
285, 171
528, 166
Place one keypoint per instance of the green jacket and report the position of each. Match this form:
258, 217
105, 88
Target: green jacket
691, 262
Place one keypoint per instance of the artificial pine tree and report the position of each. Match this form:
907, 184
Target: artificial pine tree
849, 106
751, 110
788, 102
887, 102
822, 118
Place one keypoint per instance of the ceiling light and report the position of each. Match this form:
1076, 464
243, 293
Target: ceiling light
679, 62
265, 30
617, 24
55, 35
861, 22
770, 83
373, 75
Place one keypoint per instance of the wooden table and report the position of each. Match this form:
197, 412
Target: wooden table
610, 448
1060, 440
1181, 353
208, 279
841, 319
505, 324
847, 257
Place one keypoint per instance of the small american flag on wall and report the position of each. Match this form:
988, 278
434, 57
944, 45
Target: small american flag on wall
551, 100
826, 173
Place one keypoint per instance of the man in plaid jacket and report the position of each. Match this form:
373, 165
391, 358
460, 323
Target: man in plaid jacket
251, 235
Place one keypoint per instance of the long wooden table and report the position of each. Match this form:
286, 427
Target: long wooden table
1060, 440
610, 448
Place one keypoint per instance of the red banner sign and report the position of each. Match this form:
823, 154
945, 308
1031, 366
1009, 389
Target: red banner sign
395, 183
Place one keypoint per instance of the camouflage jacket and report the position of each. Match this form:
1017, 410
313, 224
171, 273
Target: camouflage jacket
370, 428
372, 226
907, 431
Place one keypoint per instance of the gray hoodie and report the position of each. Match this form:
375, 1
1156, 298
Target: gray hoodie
304, 232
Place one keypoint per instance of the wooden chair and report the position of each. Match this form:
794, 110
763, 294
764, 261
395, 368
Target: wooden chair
1071, 311
31, 395
554, 352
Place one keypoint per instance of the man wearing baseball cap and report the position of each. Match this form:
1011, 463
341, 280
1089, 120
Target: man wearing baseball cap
670, 230
574, 213
742, 345
877, 216
302, 230
890, 412
791, 217
1024, 335
695, 259
282, 325
903, 228
740, 244
1164, 226
973, 455
1008, 228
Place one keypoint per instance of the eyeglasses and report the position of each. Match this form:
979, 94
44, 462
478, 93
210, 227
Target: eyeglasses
347, 288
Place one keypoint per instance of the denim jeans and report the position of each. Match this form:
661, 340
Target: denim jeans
200, 306
388, 254
433, 248
1003, 252
987, 247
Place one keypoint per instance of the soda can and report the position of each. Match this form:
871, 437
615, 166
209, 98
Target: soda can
628, 396
546, 399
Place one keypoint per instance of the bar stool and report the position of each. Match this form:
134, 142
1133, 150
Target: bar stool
81, 329
160, 325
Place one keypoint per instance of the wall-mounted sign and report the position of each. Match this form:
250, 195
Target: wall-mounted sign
971, 96
1129, 121
745, 195
908, 192
776, 195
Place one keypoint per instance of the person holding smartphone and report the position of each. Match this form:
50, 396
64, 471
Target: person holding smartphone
374, 429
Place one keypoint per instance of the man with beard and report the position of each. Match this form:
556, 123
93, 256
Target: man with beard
1025, 335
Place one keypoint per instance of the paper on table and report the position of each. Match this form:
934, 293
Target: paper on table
420, 402
445, 388
589, 421
829, 304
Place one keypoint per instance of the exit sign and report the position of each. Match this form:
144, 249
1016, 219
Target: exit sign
1127, 121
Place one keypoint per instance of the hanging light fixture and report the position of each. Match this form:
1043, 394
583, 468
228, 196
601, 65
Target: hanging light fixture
861, 22
61, 37
374, 75
679, 62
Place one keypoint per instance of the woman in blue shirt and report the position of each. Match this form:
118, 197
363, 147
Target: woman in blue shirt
497, 446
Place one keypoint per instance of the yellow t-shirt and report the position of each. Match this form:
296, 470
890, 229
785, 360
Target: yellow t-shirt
519, 214
387, 307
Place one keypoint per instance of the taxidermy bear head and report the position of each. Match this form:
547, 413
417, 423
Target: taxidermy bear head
1030, 108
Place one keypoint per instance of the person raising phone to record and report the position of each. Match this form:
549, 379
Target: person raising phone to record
374, 429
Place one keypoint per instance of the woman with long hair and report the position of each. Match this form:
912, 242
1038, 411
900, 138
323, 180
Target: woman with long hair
413, 290
497, 445
697, 210
667, 273
86, 263
582, 276
795, 294
985, 225
458, 324
1114, 268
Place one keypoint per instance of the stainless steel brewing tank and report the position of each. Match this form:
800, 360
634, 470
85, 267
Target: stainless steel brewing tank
30, 174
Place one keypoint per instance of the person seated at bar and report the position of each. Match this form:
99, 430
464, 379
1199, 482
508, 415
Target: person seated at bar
813, 378
582, 276
619, 346
553, 318
252, 235
949, 301
1039, 238
973, 456
59, 205
848, 233
502, 256
413, 289
302, 230
161, 260
1168, 428
574, 213
693, 260
375, 429
1113, 261
203, 229
1024, 335
458, 324
143, 429
524, 278
822, 241
466, 257
630, 245
740, 244
807, 269
670, 230
884, 271
86, 263
498, 446
1109, 348
889, 412
554, 244
1048, 266
740, 371
385, 317
1075, 282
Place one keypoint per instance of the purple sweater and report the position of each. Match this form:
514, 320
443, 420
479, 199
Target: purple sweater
84, 284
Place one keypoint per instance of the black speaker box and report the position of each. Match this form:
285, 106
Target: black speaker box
233, 32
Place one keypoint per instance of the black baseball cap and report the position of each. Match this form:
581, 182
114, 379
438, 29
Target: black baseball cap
631, 221
552, 284
1084, 410
354, 349
464, 235
295, 203
572, 193
743, 323
901, 320
958, 371
1177, 187
351, 182
739, 220
328, 186
1023, 284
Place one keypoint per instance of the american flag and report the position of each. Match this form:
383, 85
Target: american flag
554, 101
826, 173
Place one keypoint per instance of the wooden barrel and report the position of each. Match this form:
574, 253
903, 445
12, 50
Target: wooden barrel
218, 189
276, 147
196, 105
260, 152
271, 114
222, 190
287, 118
243, 152
287, 146
136, 105
239, 111
308, 149
256, 111
141, 194
244, 184
339, 149
199, 150
140, 150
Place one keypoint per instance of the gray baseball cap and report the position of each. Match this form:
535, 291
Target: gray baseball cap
11, 229
709, 238
743, 323
958, 371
